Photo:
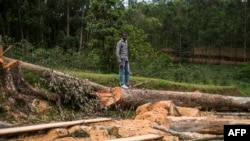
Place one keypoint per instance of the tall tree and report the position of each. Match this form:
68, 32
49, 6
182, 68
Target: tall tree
104, 22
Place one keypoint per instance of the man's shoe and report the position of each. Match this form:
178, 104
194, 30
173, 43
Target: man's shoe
124, 86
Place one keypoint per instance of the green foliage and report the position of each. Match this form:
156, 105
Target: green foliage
244, 73
140, 51
79, 133
103, 22
21, 50
160, 62
69, 42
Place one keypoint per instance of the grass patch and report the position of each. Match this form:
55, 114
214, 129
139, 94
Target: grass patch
111, 80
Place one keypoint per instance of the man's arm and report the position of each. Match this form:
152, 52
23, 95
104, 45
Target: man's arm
118, 51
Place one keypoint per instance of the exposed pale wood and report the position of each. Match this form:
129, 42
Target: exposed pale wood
147, 137
189, 135
9, 64
7, 49
1, 61
203, 125
16, 130
109, 96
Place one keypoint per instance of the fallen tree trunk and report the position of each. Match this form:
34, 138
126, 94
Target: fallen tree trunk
202, 125
74, 89
135, 97
48, 73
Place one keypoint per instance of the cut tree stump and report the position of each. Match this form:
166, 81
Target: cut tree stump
66, 89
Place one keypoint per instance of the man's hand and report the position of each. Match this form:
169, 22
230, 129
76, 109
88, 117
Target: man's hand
120, 64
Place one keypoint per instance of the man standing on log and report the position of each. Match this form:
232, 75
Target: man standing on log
122, 58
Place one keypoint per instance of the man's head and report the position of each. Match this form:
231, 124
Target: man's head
124, 36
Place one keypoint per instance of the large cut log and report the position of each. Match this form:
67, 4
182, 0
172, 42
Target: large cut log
127, 98
203, 125
134, 97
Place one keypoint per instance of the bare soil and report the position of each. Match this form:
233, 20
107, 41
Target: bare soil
147, 116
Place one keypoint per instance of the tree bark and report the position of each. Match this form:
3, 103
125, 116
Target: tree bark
48, 73
203, 125
127, 98
202, 101
68, 90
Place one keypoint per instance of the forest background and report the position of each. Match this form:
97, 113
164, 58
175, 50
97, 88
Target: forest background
188, 41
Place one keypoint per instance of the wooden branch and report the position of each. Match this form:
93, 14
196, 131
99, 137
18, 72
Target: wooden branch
140, 138
174, 133
136, 85
7, 49
16, 130
189, 135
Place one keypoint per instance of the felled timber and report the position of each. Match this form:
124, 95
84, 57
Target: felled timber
48, 72
23, 129
203, 125
134, 97
127, 98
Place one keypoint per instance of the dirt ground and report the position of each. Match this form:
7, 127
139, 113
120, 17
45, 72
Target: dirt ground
138, 128
100, 131
147, 117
